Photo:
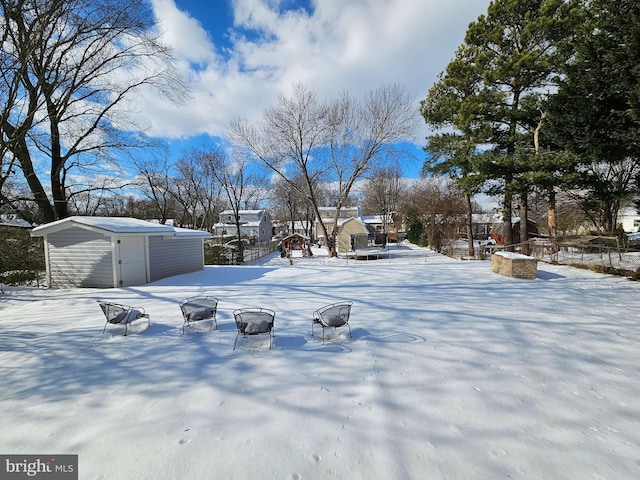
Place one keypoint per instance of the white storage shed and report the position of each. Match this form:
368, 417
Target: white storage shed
104, 252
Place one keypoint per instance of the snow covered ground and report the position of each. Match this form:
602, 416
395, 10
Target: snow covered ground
453, 372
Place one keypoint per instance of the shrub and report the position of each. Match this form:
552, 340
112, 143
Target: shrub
21, 257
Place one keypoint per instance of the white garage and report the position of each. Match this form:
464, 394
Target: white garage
103, 252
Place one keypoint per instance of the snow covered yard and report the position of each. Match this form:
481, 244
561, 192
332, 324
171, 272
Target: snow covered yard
452, 372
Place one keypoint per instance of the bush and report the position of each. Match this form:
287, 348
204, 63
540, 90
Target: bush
21, 257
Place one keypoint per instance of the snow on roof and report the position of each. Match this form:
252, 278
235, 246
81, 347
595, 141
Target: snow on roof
342, 221
188, 232
119, 225
243, 212
376, 218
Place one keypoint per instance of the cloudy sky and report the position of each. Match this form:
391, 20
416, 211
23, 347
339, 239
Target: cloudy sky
237, 54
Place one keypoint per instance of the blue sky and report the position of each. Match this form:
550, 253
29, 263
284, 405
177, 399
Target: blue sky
238, 54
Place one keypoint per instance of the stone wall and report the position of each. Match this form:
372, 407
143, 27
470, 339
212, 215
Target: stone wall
514, 265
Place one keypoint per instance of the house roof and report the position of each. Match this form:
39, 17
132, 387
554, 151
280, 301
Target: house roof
377, 219
248, 218
342, 221
116, 225
255, 212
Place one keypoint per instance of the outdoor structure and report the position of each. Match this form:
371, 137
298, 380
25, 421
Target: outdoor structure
353, 234
254, 224
296, 241
105, 252
514, 265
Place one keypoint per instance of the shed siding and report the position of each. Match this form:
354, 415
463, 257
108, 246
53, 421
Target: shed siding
168, 257
80, 258
344, 236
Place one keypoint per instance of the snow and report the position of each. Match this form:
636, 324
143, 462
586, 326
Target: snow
453, 372
108, 224
513, 255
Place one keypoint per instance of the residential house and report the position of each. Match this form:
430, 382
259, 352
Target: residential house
254, 225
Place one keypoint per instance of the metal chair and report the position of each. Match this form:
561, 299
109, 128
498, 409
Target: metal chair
118, 314
254, 321
333, 316
197, 309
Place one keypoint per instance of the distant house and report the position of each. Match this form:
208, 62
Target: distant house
106, 252
254, 224
379, 223
482, 225
497, 230
629, 218
328, 215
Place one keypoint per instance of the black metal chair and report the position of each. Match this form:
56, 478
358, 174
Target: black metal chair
254, 321
333, 316
198, 309
118, 314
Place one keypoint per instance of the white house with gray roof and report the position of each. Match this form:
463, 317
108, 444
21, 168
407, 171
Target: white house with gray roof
254, 224
104, 252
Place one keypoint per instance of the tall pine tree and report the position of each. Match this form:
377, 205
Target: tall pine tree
596, 113
508, 58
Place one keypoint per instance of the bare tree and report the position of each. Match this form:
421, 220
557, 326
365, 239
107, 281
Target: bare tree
383, 193
292, 207
241, 184
68, 70
209, 191
155, 182
440, 207
338, 141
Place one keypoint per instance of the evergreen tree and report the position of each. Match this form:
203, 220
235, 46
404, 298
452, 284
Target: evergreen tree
596, 113
492, 95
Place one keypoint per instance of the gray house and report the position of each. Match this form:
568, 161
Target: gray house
104, 252
254, 224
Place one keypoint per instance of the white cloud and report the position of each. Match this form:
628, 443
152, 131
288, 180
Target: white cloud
184, 34
355, 45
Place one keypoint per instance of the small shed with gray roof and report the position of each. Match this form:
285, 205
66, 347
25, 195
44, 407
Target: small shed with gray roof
105, 252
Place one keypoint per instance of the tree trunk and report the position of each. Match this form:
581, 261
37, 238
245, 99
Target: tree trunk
58, 193
551, 222
507, 225
524, 219
47, 213
240, 251
467, 199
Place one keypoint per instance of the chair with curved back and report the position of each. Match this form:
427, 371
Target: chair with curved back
254, 321
118, 314
198, 309
334, 316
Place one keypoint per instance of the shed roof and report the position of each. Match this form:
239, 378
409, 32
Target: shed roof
297, 235
115, 225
